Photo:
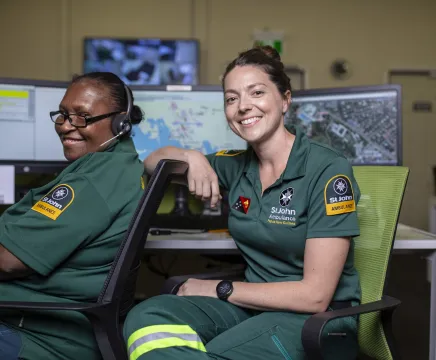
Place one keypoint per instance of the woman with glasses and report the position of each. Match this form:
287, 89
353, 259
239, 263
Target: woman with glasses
58, 243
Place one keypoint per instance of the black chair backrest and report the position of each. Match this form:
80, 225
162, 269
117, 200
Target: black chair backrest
120, 284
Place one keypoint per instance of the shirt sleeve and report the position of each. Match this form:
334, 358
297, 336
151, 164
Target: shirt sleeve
70, 215
333, 202
227, 165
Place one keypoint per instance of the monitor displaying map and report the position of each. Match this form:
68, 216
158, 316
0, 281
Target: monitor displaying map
363, 123
191, 118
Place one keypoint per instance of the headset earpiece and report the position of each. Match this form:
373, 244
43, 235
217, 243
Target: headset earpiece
118, 123
121, 123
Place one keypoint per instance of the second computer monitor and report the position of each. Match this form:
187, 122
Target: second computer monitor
28, 134
185, 117
362, 123
146, 61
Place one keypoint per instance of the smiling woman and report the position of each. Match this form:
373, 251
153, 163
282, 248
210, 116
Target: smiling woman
90, 105
298, 250
58, 243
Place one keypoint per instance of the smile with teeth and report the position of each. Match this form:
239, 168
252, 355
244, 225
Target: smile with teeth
71, 141
250, 120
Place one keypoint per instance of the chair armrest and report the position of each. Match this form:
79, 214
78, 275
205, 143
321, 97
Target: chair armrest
313, 327
23, 305
172, 285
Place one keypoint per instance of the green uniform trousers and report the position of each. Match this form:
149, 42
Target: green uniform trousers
194, 327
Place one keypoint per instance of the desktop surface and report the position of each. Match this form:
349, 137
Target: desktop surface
406, 238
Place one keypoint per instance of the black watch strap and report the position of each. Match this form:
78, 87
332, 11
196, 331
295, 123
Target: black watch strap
224, 289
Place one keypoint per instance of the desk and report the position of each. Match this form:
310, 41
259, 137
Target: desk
411, 239
406, 239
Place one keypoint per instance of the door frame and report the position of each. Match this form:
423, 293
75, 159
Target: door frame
289, 70
409, 72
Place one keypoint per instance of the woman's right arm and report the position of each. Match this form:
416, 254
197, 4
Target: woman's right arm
202, 179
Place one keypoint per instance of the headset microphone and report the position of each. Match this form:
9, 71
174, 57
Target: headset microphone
113, 138
121, 123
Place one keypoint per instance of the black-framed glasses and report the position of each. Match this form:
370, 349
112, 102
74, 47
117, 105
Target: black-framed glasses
76, 120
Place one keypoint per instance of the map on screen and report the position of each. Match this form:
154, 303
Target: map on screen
186, 119
364, 127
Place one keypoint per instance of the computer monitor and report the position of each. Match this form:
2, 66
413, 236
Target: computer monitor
190, 117
183, 116
27, 133
362, 123
7, 184
145, 61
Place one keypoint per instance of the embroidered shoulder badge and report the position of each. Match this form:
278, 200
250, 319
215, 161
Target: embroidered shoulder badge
55, 202
242, 204
339, 196
229, 152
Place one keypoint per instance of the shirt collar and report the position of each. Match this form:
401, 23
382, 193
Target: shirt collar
125, 145
296, 166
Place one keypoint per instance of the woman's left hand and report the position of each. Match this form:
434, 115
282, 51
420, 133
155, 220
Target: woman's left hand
196, 287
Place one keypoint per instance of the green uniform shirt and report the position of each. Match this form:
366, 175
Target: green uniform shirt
315, 197
68, 232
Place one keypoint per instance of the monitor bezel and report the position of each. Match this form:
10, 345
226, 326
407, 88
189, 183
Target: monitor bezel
35, 166
176, 88
34, 82
365, 89
195, 40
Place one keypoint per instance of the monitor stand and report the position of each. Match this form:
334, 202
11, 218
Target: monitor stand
181, 202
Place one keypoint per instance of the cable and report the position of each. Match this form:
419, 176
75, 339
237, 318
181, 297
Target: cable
170, 232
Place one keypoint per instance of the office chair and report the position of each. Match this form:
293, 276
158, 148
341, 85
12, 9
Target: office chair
382, 189
117, 295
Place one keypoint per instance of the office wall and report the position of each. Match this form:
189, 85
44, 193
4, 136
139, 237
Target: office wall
31, 39
43, 39
372, 35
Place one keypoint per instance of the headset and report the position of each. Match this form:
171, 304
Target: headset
122, 123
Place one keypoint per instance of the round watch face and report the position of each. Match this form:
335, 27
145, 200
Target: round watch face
224, 289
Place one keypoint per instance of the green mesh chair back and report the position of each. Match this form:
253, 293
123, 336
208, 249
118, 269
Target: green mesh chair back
382, 189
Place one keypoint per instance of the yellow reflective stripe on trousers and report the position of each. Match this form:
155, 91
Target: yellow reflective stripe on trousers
162, 336
152, 329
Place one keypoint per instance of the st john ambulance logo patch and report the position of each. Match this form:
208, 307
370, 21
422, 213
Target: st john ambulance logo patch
242, 204
339, 196
340, 186
286, 196
55, 202
60, 193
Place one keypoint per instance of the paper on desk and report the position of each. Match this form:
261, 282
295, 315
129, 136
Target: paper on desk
7, 184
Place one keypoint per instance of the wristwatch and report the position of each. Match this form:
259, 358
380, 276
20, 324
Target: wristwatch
224, 289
